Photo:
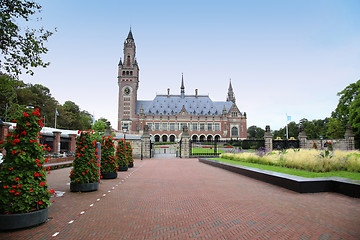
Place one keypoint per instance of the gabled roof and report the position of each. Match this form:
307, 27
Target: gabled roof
173, 104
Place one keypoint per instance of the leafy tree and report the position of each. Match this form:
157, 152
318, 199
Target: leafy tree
293, 129
70, 117
255, 132
335, 128
20, 48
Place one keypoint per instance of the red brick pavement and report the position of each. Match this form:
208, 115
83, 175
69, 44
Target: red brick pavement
186, 199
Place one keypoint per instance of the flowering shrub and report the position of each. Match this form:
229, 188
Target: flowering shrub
129, 153
121, 154
314, 145
85, 165
23, 185
108, 163
330, 146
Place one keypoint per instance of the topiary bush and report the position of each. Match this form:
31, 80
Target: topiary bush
108, 162
86, 168
120, 154
23, 186
129, 153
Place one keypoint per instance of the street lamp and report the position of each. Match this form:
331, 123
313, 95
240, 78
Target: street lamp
124, 129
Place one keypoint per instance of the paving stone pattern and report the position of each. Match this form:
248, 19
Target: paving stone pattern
186, 199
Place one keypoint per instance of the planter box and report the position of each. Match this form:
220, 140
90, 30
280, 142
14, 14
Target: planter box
84, 187
131, 165
23, 220
108, 175
122, 168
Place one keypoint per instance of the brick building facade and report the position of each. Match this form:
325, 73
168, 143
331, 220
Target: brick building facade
166, 115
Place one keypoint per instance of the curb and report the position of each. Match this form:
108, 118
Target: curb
348, 187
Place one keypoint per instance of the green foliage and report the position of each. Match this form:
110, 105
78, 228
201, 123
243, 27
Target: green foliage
335, 128
121, 154
293, 129
20, 48
108, 163
70, 117
129, 152
255, 132
23, 185
85, 165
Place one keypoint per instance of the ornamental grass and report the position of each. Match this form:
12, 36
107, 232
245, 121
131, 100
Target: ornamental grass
311, 160
86, 168
108, 162
23, 186
121, 153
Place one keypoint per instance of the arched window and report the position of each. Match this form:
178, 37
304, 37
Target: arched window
172, 138
217, 138
209, 138
131, 72
234, 131
157, 138
128, 61
127, 72
123, 72
194, 138
202, 138
164, 138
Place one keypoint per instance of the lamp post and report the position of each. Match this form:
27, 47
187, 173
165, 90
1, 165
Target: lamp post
124, 129
321, 146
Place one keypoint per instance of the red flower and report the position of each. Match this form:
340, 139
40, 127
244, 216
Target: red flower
26, 114
83, 173
40, 202
17, 193
23, 132
37, 161
49, 149
39, 165
1, 142
17, 179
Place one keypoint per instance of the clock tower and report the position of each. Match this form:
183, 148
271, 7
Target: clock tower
128, 81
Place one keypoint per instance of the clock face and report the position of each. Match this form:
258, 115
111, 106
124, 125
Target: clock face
127, 91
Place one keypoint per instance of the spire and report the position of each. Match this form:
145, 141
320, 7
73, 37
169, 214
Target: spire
120, 62
130, 36
230, 96
182, 86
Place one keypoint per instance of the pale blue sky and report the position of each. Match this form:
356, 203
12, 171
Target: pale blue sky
282, 56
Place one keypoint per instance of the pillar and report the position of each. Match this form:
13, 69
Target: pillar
145, 143
72, 144
302, 138
185, 143
268, 139
349, 138
56, 143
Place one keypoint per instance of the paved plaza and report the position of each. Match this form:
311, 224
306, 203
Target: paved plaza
172, 198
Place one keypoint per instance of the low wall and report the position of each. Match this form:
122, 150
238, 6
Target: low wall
339, 144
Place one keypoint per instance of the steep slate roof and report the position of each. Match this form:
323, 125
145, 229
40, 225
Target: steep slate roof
173, 104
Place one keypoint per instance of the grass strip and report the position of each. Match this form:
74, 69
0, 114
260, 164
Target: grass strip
291, 171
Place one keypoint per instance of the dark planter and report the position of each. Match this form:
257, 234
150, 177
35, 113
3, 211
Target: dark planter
108, 175
84, 187
131, 165
122, 168
23, 220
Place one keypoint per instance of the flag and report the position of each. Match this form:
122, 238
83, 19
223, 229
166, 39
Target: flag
288, 118
57, 113
93, 120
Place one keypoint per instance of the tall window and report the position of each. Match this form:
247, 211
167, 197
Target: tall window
157, 126
164, 126
202, 126
172, 126
194, 126
128, 61
217, 126
209, 126
150, 126
234, 131
182, 125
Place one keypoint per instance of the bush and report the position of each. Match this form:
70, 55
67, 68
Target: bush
22, 175
129, 153
120, 154
85, 165
108, 162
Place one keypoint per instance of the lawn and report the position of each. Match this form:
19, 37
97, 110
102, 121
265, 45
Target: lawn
292, 171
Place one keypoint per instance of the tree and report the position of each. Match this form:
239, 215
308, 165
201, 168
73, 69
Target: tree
255, 132
293, 130
70, 117
335, 128
20, 48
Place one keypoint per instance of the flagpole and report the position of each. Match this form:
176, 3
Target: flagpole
55, 116
287, 130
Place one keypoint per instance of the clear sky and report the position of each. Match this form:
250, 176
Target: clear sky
282, 56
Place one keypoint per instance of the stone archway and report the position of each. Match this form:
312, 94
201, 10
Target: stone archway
164, 138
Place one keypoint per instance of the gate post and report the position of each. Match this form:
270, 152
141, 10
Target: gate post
268, 139
349, 138
185, 143
145, 141
302, 138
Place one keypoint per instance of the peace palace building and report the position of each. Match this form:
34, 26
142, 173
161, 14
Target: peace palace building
166, 115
